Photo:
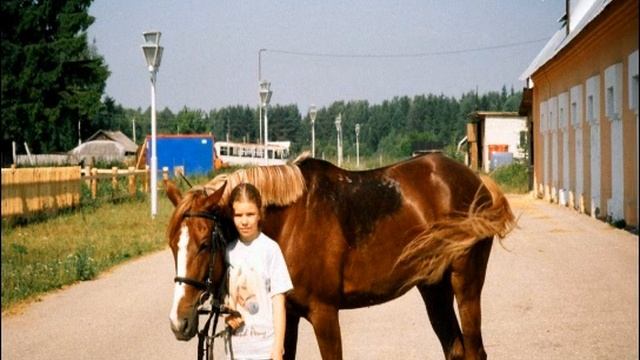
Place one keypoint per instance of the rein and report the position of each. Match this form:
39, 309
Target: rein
218, 243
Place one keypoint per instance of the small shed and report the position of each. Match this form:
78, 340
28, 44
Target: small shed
499, 135
191, 154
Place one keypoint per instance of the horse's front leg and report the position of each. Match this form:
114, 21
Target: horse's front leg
326, 326
291, 335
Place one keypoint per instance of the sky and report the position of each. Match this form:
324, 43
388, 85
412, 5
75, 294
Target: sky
318, 52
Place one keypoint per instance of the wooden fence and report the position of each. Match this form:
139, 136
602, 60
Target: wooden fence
31, 190
92, 175
26, 191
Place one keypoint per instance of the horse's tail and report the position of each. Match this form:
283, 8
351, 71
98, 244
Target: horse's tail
444, 240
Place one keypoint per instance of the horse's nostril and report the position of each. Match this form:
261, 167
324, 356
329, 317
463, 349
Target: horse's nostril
185, 325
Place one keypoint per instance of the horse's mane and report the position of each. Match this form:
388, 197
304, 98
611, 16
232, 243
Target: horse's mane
279, 185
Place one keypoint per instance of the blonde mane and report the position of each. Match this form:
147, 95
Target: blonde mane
279, 185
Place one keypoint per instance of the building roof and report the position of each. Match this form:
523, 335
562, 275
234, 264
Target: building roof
116, 136
98, 149
561, 39
478, 115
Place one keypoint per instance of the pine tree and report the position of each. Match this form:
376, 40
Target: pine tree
51, 77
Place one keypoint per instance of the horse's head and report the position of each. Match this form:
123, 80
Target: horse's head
198, 246
243, 296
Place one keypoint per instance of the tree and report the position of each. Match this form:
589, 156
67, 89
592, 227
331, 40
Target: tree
51, 78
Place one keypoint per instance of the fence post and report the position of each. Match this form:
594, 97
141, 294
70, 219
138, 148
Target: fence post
146, 178
94, 182
132, 181
114, 178
165, 173
87, 172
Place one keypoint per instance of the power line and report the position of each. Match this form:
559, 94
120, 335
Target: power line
414, 55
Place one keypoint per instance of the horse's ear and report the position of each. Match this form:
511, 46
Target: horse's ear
214, 199
173, 193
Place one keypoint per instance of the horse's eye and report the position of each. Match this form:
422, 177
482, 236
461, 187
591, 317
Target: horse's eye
204, 246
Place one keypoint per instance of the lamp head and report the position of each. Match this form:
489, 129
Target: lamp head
265, 92
152, 49
313, 112
152, 37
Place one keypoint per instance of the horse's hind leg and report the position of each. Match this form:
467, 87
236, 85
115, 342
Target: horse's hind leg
467, 279
438, 299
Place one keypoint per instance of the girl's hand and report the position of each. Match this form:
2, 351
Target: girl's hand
234, 321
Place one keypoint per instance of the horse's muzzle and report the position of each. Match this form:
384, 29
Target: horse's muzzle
185, 327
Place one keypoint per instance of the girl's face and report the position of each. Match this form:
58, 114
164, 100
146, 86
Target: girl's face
246, 217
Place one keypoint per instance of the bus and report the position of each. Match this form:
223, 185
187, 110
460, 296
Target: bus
242, 154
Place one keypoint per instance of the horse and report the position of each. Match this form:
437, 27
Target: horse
353, 239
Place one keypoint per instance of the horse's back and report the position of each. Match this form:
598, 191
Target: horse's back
438, 183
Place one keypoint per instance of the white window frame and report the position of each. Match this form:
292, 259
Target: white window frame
576, 106
634, 92
544, 126
593, 99
592, 96
613, 92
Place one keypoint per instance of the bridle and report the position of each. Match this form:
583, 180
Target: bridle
218, 243
216, 294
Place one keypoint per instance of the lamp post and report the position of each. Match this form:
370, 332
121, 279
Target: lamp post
358, 145
313, 112
265, 97
259, 82
339, 137
153, 55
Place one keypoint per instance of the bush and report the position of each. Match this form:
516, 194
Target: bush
512, 178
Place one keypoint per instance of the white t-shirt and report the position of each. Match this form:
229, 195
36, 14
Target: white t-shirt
257, 272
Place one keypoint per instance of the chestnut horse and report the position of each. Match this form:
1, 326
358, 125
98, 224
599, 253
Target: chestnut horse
355, 239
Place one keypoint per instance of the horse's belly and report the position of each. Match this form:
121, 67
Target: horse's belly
367, 288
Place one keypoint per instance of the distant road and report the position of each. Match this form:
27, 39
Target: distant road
566, 287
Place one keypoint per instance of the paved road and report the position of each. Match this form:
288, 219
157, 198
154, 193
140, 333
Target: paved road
565, 287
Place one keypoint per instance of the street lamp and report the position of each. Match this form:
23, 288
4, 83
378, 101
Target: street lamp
259, 81
339, 137
358, 145
265, 97
313, 112
153, 54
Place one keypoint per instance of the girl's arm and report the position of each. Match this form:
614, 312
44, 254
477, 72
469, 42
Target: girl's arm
279, 325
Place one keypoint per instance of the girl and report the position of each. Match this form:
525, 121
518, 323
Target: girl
258, 281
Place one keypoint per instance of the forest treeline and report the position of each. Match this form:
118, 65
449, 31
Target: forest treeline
395, 127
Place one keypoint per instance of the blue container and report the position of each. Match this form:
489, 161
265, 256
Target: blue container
195, 154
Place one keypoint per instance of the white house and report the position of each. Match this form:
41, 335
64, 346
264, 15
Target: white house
489, 133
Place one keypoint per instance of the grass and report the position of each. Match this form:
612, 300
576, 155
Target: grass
77, 245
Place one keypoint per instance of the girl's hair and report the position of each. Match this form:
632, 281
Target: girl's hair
246, 192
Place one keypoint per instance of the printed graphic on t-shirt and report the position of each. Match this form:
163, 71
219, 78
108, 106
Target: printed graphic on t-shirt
246, 295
